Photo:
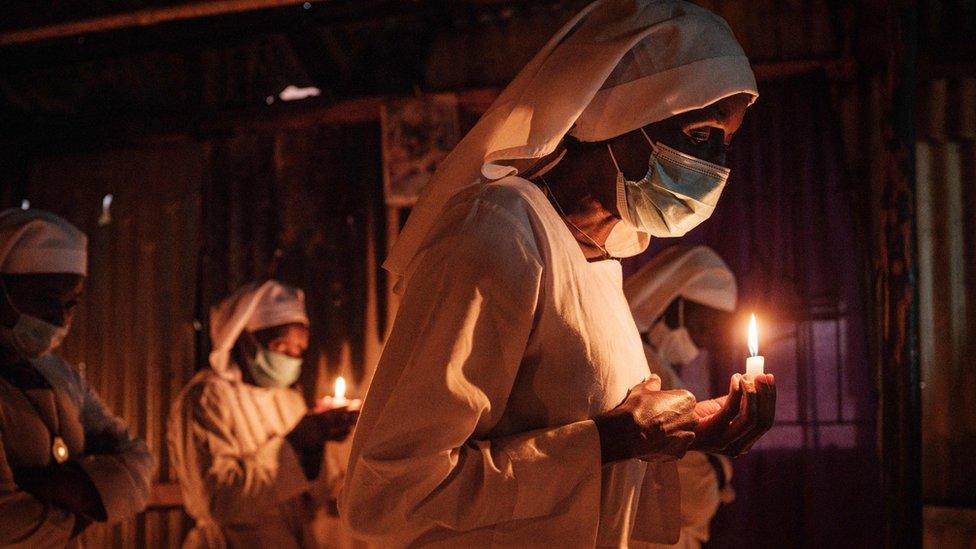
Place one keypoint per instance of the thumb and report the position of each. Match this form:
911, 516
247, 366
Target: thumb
653, 382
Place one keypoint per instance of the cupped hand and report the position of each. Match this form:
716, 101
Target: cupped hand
731, 424
650, 424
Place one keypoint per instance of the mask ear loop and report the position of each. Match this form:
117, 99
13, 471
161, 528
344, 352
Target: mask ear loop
613, 158
649, 142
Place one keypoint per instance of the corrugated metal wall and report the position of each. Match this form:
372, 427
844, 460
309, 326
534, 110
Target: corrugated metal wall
946, 170
191, 222
134, 335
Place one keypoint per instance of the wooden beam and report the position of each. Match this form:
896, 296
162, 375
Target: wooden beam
97, 130
141, 18
894, 271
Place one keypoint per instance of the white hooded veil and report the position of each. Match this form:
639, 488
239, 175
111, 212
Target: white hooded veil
616, 66
254, 306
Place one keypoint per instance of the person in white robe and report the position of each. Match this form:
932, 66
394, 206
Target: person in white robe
246, 449
683, 277
65, 459
513, 405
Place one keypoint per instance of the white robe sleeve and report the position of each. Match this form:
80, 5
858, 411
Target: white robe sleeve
446, 373
239, 484
26, 521
120, 466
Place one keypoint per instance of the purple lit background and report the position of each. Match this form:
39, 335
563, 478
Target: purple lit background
791, 227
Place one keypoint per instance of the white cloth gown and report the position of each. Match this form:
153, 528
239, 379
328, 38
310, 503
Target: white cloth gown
242, 481
476, 429
700, 492
119, 466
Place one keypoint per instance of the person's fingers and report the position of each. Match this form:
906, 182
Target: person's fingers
748, 403
653, 383
685, 422
682, 440
734, 403
764, 416
767, 408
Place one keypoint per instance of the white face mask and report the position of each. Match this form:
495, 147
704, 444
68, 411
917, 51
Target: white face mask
674, 346
677, 193
31, 336
271, 369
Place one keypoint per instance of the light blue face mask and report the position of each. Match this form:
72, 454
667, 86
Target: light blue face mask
274, 370
677, 193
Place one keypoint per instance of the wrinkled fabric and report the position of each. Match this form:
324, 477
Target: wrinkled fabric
119, 465
277, 305
616, 66
477, 428
36, 241
696, 273
242, 482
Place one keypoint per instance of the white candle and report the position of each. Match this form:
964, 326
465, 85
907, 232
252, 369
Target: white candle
339, 399
755, 362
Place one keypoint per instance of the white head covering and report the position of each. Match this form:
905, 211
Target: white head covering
697, 274
616, 66
36, 241
255, 306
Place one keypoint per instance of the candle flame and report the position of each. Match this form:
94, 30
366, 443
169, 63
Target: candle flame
340, 387
753, 336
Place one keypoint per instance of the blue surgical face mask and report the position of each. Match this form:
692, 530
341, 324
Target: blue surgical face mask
677, 193
274, 370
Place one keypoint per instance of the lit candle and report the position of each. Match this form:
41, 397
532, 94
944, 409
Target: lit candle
339, 399
755, 362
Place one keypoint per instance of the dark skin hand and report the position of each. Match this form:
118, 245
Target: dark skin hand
650, 424
731, 424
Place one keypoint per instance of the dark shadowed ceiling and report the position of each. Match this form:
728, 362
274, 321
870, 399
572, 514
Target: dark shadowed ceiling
124, 64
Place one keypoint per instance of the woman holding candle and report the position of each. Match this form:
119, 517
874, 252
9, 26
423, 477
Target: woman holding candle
513, 405
248, 453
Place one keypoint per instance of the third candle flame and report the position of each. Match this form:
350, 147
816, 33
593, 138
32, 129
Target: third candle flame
340, 388
753, 336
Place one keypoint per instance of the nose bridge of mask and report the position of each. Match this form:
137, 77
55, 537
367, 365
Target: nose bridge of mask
673, 157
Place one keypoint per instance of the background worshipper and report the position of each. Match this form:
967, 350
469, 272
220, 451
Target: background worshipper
248, 452
513, 405
679, 300
65, 460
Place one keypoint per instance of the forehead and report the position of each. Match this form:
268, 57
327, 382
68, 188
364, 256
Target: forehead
726, 113
287, 332
48, 283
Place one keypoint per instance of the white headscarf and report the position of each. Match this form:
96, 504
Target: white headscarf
616, 66
255, 306
36, 241
697, 274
